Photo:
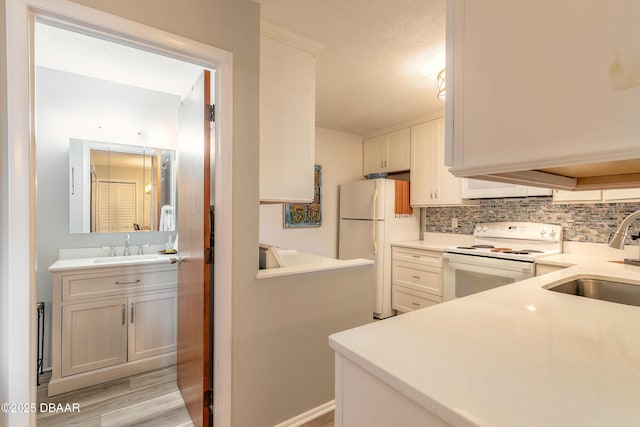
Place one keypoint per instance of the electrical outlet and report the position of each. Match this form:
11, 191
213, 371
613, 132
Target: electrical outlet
454, 222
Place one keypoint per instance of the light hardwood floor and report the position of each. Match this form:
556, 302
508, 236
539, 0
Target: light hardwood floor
147, 399
325, 420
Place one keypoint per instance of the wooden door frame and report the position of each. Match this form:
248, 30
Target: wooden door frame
20, 16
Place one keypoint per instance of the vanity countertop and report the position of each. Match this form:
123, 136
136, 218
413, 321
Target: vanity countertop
115, 261
516, 355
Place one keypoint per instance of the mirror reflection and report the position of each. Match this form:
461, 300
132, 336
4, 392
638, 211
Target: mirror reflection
121, 188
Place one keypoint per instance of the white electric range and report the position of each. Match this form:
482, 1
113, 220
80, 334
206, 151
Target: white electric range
502, 253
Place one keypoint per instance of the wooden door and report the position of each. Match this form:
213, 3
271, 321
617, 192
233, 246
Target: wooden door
193, 228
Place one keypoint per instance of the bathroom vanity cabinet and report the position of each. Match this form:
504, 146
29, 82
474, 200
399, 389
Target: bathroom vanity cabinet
111, 321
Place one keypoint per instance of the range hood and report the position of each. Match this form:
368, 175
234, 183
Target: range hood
614, 174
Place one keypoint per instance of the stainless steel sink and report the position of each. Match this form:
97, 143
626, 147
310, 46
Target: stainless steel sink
602, 289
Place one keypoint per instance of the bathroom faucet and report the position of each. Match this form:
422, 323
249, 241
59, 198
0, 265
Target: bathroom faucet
127, 240
618, 238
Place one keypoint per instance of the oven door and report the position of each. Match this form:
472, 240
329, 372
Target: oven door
468, 274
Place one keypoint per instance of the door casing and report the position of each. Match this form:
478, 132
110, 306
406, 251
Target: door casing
20, 16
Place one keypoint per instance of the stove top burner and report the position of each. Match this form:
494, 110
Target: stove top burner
522, 251
483, 246
501, 249
465, 247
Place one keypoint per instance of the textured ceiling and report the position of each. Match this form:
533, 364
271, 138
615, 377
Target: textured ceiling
378, 69
381, 59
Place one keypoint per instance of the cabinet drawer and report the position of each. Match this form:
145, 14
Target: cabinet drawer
102, 284
418, 277
404, 299
418, 256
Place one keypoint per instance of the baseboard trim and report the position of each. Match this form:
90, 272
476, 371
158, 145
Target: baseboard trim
85, 379
310, 415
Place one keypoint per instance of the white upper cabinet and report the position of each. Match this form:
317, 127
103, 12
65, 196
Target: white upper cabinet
431, 182
387, 153
287, 115
622, 195
544, 91
481, 189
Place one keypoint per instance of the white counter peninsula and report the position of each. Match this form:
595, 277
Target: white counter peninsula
517, 355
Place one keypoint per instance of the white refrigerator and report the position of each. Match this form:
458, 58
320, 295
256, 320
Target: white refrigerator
368, 226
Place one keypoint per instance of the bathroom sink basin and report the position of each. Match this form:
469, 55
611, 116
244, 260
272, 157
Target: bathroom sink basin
602, 289
125, 258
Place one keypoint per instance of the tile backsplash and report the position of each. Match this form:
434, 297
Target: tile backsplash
593, 222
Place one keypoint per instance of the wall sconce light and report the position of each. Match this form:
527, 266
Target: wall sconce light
441, 85
147, 189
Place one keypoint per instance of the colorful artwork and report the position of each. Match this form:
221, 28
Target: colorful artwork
298, 215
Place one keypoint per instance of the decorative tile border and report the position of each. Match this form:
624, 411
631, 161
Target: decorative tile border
593, 222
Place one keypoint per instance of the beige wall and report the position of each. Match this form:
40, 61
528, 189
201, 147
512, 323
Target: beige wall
233, 25
340, 155
275, 377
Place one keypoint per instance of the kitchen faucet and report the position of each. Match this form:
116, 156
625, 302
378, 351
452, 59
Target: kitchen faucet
618, 238
127, 240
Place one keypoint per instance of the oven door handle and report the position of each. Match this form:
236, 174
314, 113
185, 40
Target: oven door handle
460, 261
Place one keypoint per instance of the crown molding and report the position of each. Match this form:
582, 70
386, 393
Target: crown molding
271, 30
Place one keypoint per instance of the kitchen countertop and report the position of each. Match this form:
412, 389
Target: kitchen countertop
568, 260
437, 241
313, 267
516, 355
301, 263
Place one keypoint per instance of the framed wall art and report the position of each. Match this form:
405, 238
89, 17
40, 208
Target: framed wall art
299, 215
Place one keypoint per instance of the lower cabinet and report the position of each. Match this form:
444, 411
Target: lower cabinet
363, 399
109, 323
95, 335
153, 325
416, 278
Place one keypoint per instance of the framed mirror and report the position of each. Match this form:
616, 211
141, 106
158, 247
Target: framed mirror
121, 188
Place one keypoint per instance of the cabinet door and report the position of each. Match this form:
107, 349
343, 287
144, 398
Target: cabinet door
94, 335
420, 174
287, 122
431, 182
521, 102
577, 196
152, 325
621, 194
398, 150
374, 154
447, 187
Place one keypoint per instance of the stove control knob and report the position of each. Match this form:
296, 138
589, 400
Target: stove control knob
485, 228
552, 232
478, 229
543, 231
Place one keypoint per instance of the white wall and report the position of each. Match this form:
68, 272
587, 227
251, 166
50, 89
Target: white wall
73, 106
340, 155
4, 227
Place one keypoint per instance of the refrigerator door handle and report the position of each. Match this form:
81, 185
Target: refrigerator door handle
373, 230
